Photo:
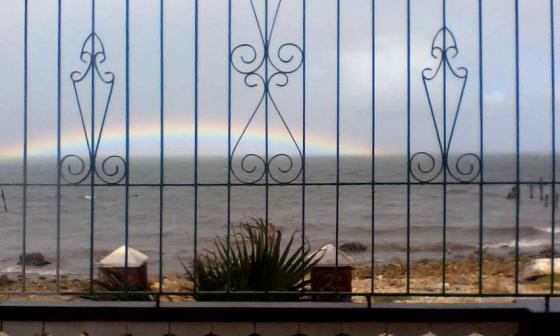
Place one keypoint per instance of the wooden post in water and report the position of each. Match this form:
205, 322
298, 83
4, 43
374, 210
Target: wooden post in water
4, 201
512, 193
546, 201
531, 190
541, 191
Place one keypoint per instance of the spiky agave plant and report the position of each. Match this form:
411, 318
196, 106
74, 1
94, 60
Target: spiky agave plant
254, 262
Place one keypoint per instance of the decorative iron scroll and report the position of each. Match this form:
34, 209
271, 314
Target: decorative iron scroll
424, 166
266, 70
74, 168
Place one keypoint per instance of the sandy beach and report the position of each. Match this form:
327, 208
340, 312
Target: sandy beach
425, 277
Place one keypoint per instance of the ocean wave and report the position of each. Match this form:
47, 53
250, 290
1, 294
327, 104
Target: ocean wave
429, 247
547, 229
459, 191
523, 243
452, 246
417, 229
30, 270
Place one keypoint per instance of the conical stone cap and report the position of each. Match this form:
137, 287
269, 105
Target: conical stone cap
117, 258
327, 257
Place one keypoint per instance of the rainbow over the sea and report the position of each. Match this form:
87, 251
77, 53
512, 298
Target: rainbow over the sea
147, 134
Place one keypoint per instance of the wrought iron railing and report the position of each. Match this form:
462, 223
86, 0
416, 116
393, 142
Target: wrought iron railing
259, 71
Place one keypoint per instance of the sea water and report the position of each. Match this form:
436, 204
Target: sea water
375, 216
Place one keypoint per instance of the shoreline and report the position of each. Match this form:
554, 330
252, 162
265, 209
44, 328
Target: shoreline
462, 277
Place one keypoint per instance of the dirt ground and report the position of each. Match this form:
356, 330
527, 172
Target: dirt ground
461, 277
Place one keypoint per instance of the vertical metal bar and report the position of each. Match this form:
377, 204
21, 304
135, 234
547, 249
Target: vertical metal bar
161, 142
266, 118
445, 154
408, 99
553, 112
517, 145
229, 139
266, 122
127, 141
58, 139
24, 200
195, 210
93, 154
304, 110
337, 128
372, 289
481, 132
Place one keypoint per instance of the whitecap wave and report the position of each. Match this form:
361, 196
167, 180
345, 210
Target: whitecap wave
547, 229
523, 243
30, 270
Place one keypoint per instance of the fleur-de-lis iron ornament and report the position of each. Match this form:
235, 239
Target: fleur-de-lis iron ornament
74, 168
424, 166
267, 69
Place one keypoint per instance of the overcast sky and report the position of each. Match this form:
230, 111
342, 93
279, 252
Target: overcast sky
355, 76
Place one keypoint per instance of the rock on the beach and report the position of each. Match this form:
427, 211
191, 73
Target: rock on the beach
353, 247
540, 267
33, 259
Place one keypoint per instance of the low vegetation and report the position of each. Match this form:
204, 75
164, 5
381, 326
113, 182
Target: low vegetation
254, 262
